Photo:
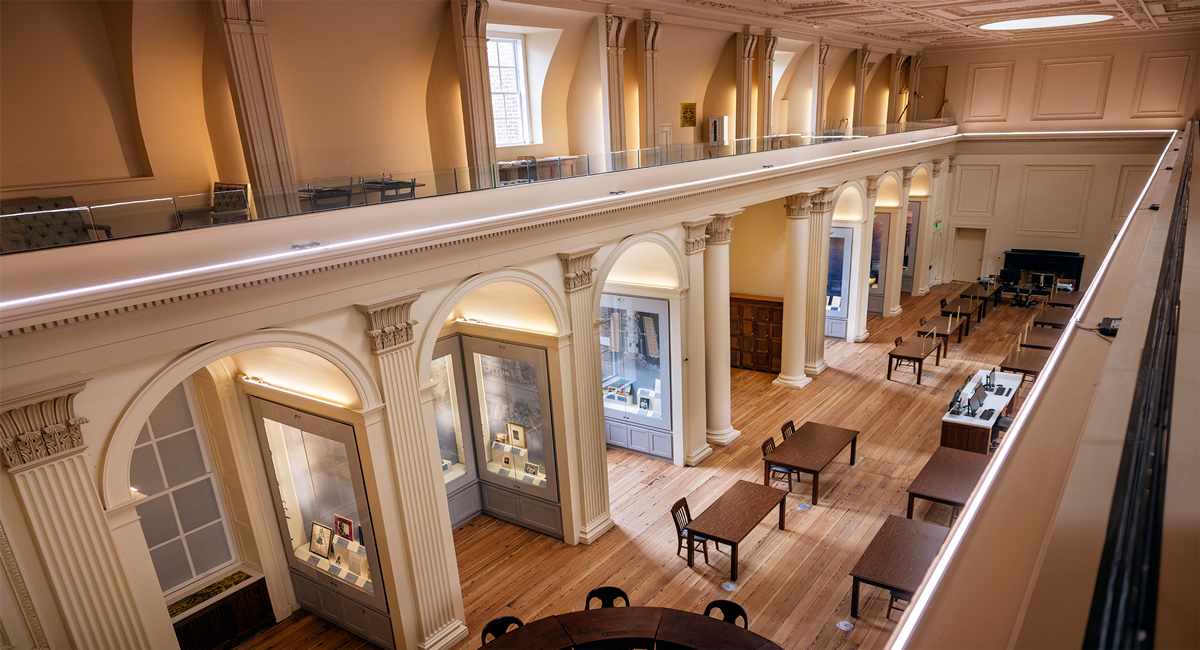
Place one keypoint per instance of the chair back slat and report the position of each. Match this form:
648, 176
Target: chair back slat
730, 612
788, 429
681, 514
768, 446
608, 597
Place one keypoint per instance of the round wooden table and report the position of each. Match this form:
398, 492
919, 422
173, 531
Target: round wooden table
666, 628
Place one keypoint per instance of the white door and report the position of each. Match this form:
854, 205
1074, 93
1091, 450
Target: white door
968, 253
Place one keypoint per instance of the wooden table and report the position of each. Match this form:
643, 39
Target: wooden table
964, 307
940, 326
1042, 338
732, 516
1056, 317
916, 350
983, 292
898, 558
949, 477
810, 450
391, 189
1069, 299
659, 626
1027, 361
974, 433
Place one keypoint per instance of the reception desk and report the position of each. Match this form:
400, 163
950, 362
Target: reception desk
973, 433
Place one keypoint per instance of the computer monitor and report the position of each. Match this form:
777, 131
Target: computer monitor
954, 401
1010, 276
973, 405
991, 380
980, 394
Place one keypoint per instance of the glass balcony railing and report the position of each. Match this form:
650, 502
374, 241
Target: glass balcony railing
35, 224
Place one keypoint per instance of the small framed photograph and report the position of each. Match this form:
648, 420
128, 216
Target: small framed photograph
644, 403
533, 468
356, 562
516, 434
508, 462
322, 536
339, 557
343, 527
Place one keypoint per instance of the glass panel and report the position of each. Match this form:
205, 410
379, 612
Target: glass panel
494, 77
172, 414
878, 241
445, 415
508, 80
158, 520
197, 505
209, 548
491, 51
512, 419
835, 291
144, 436
181, 458
634, 349
144, 474
908, 238
507, 54
171, 564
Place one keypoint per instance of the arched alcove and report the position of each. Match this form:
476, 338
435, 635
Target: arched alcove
920, 183
889, 192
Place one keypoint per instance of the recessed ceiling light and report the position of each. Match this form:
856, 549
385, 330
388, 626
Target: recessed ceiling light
1047, 21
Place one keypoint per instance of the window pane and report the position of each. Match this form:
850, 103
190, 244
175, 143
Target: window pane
181, 458
172, 414
197, 504
507, 52
491, 50
158, 520
512, 106
144, 436
209, 548
494, 75
497, 107
143, 471
171, 564
508, 80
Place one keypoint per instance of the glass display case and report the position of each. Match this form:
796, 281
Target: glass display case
635, 351
320, 499
448, 398
837, 288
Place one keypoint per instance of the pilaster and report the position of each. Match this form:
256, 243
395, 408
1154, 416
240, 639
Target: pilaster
766, 84
614, 40
820, 224
41, 443
720, 429
470, 32
819, 90
744, 76
795, 285
914, 86
860, 84
893, 111
579, 281
649, 81
426, 521
695, 413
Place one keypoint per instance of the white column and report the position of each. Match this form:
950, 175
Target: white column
744, 76
927, 248
895, 267
819, 90
766, 84
41, 443
579, 280
614, 39
795, 286
419, 487
860, 84
256, 103
649, 82
820, 224
716, 329
470, 32
695, 409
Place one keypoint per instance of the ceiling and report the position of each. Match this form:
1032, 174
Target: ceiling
924, 23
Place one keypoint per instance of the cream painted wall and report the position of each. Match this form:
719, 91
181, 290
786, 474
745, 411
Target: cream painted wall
585, 100
219, 113
507, 304
757, 250
645, 264
687, 63
1135, 83
796, 87
839, 100
879, 83
443, 102
720, 97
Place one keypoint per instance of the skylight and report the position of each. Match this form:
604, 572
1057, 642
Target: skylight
1047, 21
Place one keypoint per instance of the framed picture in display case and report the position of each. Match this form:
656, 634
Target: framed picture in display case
532, 468
516, 434
343, 527
322, 536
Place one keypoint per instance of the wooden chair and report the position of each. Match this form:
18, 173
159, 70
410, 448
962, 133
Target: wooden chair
683, 516
943, 303
730, 612
903, 362
607, 596
923, 321
230, 203
768, 446
788, 429
498, 627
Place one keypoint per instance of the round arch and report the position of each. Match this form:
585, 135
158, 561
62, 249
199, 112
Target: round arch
887, 181
119, 452
850, 191
922, 184
623, 247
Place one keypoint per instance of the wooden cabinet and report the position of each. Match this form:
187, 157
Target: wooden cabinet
227, 620
755, 332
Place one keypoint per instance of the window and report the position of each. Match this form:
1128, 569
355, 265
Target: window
510, 90
183, 517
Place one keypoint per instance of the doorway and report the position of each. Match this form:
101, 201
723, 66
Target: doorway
968, 253
881, 227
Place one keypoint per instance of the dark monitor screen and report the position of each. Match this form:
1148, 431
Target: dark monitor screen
980, 394
954, 400
974, 403
1011, 276
992, 377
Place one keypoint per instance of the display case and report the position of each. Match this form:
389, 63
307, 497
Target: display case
320, 500
635, 359
837, 289
448, 403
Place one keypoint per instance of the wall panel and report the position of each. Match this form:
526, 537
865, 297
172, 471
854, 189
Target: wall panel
1164, 84
1072, 89
975, 191
1129, 186
1054, 200
988, 89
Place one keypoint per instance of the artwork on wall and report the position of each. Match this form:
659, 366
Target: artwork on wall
322, 536
343, 527
687, 114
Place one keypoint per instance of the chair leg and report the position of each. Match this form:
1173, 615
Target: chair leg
704, 547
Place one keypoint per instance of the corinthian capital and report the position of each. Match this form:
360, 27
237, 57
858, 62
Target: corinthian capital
41, 423
389, 325
578, 272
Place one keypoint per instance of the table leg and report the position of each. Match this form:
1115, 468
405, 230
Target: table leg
782, 503
960, 332
733, 558
766, 473
853, 449
816, 486
889, 374
911, 498
946, 346
691, 548
854, 599
920, 369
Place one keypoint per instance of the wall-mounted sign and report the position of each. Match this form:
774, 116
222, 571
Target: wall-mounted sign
687, 114
937, 225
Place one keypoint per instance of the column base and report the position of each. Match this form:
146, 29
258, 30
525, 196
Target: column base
592, 532
723, 437
792, 382
895, 311
862, 336
815, 369
450, 634
698, 455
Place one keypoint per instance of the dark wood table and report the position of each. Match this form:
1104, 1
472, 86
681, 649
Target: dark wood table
942, 327
983, 292
1069, 299
392, 189
1027, 361
965, 307
810, 450
325, 198
948, 477
1056, 317
659, 626
1042, 338
916, 350
898, 558
732, 516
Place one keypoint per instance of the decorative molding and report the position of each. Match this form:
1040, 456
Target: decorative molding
720, 231
961, 192
614, 30
873, 186
864, 61
578, 272
796, 206
823, 201
953, 166
41, 424
16, 580
906, 178
1129, 185
389, 325
1183, 84
650, 29
748, 42
1002, 91
1034, 213
1047, 82
472, 15
938, 167
696, 237
822, 53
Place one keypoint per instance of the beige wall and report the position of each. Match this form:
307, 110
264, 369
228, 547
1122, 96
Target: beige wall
756, 251
840, 73
687, 63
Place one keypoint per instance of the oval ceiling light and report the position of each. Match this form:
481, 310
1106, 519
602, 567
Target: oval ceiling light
1042, 22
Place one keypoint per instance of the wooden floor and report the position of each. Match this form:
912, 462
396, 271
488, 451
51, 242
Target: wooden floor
794, 583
